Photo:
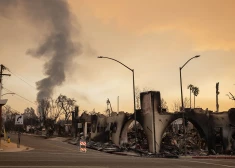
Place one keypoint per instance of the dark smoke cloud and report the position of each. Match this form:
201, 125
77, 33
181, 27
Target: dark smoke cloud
57, 47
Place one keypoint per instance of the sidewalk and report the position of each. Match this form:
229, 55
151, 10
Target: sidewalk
208, 157
12, 147
214, 157
32, 134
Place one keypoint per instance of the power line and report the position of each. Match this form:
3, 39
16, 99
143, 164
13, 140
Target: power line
13, 109
20, 96
20, 77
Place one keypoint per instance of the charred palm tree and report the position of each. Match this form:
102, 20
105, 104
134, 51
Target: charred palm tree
195, 91
190, 87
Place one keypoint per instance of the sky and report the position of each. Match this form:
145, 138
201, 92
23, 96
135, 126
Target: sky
153, 37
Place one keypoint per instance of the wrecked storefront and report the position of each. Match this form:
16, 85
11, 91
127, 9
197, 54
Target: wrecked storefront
206, 132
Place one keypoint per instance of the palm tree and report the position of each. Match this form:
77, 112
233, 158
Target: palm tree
190, 87
195, 91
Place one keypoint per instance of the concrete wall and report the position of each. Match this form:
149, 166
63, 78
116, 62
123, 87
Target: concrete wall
115, 124
148, 122
220, 120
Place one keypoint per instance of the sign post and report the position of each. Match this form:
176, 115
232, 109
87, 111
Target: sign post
19, 120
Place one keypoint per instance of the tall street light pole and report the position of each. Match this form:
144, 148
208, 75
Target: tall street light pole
133, 74
182, 100
8, 93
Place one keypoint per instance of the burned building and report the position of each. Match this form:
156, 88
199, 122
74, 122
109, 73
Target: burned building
216, 129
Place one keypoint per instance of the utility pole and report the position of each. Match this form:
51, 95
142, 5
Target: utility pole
133, 79
217, 97
182, 102
118, 104
2, 68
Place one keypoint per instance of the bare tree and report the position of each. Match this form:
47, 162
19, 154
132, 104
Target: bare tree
30, 117
6, 112
55, 110
231, 96
164, 105
67, 105
93, 112
9, 118
29, 112
177, 104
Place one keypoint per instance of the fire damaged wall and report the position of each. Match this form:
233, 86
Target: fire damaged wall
98, 125
108, 128
216, 129
114, 126
222, 131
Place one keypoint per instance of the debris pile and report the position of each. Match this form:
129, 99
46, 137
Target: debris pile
140, 149
108, 147
175, 142
141, 144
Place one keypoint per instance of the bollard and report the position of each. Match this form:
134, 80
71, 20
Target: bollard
8, 139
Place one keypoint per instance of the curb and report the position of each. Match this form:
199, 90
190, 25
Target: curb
213, 157
124, 154
185, 157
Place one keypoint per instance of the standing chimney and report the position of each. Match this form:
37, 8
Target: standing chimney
217, 97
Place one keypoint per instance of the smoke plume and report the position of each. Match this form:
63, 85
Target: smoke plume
57, 47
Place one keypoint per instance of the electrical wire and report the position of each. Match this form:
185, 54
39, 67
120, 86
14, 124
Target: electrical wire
20, 77
13, 109
20, 96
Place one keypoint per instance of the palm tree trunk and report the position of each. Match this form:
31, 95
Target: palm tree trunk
190, 98
194, 101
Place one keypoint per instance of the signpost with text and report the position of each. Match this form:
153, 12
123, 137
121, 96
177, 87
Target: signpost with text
19, 120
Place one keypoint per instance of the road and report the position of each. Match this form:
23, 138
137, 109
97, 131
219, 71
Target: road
56, 154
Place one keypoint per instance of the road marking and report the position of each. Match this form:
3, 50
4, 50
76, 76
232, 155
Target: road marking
57, 166
37, 161
215, 164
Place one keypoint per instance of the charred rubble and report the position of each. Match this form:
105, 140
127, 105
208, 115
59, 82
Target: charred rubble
175, 142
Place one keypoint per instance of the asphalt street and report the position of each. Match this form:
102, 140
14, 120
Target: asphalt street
50, 153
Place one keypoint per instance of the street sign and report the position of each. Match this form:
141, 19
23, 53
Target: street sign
19, 120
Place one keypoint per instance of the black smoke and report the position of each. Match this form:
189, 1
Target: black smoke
57, 46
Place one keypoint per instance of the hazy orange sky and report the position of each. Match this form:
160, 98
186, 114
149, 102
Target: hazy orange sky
151, 36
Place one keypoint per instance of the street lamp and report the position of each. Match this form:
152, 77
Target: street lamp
8, 93
182, 100
133, 74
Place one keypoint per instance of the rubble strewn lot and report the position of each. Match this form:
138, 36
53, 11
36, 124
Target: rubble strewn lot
174, 142
172, 145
